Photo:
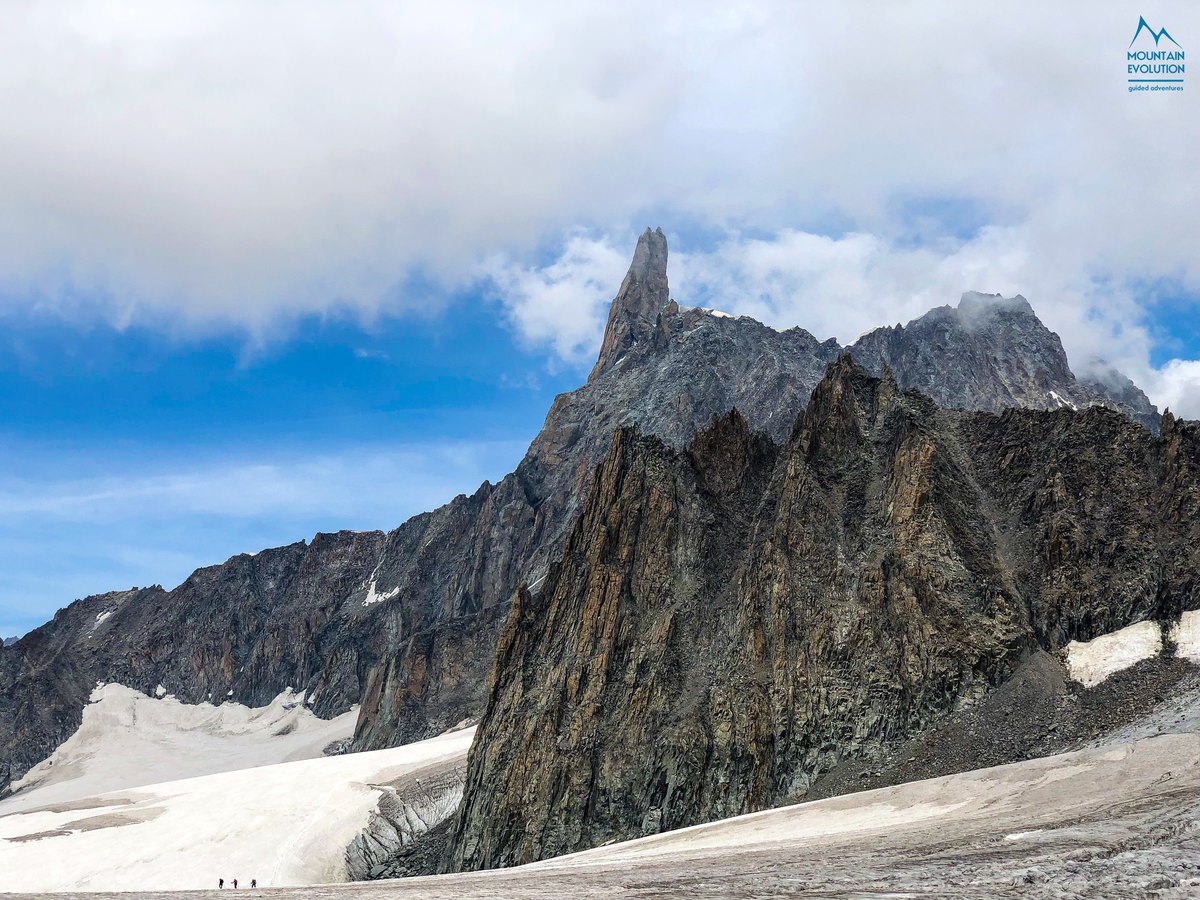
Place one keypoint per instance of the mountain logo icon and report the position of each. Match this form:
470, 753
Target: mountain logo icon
1143, 25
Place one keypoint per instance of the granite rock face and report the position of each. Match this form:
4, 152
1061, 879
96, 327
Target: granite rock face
634, 311
407, 622
729, 622
455, 571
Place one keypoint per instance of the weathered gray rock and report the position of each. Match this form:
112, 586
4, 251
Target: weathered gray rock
633, 315
729, 622
245, 629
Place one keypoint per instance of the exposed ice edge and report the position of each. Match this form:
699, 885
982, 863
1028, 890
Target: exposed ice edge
400, 817
1091, 662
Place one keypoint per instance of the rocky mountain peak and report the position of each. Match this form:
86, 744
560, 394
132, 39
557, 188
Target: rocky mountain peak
634, 312
733, 626
406, 623
993, 352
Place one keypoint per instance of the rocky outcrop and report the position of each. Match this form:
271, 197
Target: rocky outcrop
407, 622
634, 313
729, 622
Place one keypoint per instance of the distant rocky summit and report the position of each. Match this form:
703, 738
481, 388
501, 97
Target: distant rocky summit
992, 353
728, 622
407, 622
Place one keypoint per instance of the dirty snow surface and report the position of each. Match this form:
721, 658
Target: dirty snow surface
1117, 821
127, 739
1090, 662
285, 824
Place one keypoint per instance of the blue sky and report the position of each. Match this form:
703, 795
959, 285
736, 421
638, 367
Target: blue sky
120, 444
270, 271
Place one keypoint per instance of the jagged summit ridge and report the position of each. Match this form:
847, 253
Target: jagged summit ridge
993, 352
975, 307
989, 352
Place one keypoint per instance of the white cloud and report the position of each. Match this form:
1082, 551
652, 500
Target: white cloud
841, 287
238, 164
1177, 386
564, 304
242, 162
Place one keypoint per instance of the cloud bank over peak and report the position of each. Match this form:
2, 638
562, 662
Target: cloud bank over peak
225, 165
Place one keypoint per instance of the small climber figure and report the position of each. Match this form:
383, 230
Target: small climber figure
253, 882
235, 884
220, 883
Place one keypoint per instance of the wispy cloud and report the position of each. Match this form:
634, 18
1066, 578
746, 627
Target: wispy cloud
561, 305
382, 485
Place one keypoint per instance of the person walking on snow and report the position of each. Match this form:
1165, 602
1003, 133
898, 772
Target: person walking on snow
253, 882
220, 883
235, 884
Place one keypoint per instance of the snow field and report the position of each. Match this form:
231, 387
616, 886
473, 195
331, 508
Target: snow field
1013, 802
286, 824
127, 739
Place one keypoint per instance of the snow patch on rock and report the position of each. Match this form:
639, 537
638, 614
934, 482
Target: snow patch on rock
1062, 402
375, 596
1090, 662
715, 313
1186, 635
